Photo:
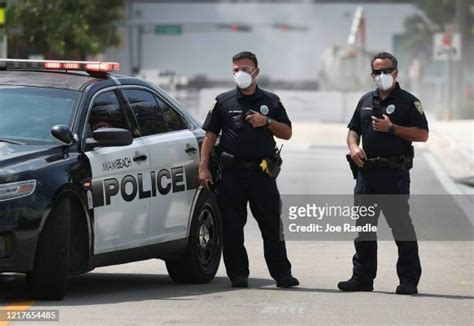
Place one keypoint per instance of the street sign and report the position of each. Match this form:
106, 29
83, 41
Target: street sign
169, 29
446, 45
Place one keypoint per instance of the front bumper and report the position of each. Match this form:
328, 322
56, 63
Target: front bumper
20, 222
17, 251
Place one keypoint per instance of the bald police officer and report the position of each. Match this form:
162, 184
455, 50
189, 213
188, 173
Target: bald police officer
388, 119
248, 118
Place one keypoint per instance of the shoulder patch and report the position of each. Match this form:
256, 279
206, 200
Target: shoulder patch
418, 107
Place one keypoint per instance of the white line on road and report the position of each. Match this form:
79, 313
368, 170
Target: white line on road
450, 186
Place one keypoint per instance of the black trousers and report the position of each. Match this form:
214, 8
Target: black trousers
388, 190
238, 187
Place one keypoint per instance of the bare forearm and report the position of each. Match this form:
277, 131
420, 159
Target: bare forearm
207, 147
411, 133
353, 139
280, 130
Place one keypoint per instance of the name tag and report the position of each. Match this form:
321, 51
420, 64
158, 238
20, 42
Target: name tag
366, 108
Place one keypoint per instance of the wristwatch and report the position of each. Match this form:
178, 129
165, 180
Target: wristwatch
269, 121
391, 129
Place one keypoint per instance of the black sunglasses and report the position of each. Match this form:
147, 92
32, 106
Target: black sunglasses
384, 70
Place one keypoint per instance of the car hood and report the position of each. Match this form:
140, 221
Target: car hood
11, 154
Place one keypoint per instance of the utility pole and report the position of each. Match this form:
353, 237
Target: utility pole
457, 71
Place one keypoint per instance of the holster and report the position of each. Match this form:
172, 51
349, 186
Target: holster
216, 165
354, 168
401, 162
272, 165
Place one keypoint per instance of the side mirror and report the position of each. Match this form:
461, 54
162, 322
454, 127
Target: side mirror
62, 134
107, 137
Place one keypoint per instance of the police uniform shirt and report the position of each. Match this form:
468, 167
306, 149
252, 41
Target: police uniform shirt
401, 107
238, 136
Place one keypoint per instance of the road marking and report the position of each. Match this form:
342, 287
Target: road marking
17, 306
450, 186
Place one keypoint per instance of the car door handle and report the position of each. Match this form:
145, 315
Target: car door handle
190, 149
140, 157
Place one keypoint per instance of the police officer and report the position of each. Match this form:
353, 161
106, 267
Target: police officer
248, 118
388, 119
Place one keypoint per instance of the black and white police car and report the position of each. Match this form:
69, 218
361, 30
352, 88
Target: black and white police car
98, 169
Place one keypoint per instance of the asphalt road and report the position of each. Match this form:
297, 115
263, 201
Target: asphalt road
142, 293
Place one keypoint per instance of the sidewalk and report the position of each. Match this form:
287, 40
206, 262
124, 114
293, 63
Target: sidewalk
452, 142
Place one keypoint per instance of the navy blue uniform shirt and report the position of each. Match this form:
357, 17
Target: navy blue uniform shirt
238, 136
401, 107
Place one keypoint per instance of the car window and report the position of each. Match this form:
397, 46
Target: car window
146, 111
106, 112
173, 119
28, 113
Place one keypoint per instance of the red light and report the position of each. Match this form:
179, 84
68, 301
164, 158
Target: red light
72, 65
86, 184
52, 65
103, 66
91, 66
234, 28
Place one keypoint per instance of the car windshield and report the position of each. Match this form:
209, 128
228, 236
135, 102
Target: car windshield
28, 113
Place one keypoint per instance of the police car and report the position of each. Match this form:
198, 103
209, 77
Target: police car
98, 169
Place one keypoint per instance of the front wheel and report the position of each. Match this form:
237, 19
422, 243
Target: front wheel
48, 279
203, 253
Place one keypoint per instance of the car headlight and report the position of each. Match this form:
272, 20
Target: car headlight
17, 189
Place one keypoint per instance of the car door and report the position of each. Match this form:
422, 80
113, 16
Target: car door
174, 159
120, 181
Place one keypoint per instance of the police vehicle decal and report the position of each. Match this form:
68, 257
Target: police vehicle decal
163, 182
118, 163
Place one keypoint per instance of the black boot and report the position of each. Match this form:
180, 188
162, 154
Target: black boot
240, 282
406, 289
287, 282
353, 285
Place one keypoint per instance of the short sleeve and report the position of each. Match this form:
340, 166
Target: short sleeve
281, 115
213, 120
355, 123
417, 115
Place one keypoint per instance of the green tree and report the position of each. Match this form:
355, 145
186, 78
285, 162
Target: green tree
63, 29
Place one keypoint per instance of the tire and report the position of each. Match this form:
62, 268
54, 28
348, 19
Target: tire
201, 260
48, 280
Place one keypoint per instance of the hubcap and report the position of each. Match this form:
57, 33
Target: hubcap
203, 236
208, 241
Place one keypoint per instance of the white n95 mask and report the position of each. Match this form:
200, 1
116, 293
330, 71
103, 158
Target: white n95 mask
383, 81
242, 79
